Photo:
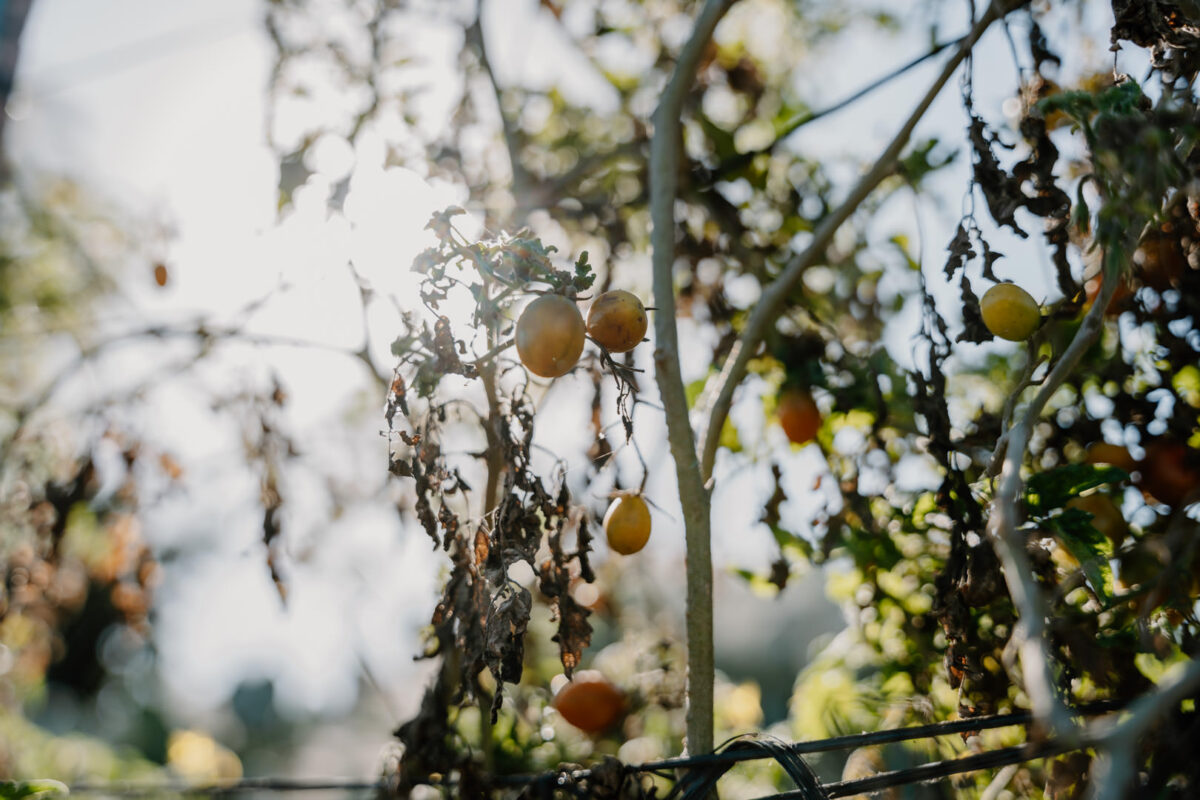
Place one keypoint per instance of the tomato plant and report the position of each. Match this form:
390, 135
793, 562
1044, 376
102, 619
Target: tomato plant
1168, 471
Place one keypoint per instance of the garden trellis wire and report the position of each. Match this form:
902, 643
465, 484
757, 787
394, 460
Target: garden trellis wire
702, 771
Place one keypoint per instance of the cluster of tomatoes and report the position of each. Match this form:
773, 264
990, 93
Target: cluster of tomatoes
549, 337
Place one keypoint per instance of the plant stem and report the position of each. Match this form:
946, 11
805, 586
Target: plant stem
693, 496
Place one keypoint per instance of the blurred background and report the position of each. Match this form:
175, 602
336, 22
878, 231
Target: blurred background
206, 231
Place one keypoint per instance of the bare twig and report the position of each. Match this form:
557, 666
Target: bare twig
716, 407
1117, 742
12, 25
1000, 782
664, 169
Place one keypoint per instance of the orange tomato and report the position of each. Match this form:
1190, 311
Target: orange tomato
617, 320
590, 702
627, 523
550, 336
1111, 454
1106, 516
1166, 473
1160, 258
798, 415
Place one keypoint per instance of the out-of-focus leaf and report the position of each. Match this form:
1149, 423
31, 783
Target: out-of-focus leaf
1052, 489
28, 790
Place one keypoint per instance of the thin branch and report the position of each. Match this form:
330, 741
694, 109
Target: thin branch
775, 295
12, 24
742, 159
512, 141
1114, 766
694, 497
205, 335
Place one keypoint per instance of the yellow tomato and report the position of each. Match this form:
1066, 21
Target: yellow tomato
617, 320
627, 524
550, 336
1010, 312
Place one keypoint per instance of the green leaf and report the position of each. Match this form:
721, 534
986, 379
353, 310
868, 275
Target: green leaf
693, 391
1089, 547
789, 541
1052, 489
722, 140
729, 438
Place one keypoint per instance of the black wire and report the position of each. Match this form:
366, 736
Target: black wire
926, 772
935, 770
281, 785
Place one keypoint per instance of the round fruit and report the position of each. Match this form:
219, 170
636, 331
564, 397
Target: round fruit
1010, 312
590, 702
1166, 474
627, 524
1106, 517
617, 320
550, 336
1111, 454
798, 415
1160, 259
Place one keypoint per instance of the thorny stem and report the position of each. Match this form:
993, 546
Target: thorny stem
775, 295
1031, 634
694, 497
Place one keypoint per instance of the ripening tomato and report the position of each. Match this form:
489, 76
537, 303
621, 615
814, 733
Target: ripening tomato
1160, 259
1106, 516
590, 702
1010, 312
550, 336
1166, 473
1110, 454
627, 523
798, 415
617, 320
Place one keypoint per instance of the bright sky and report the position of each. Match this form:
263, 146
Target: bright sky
161, 108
